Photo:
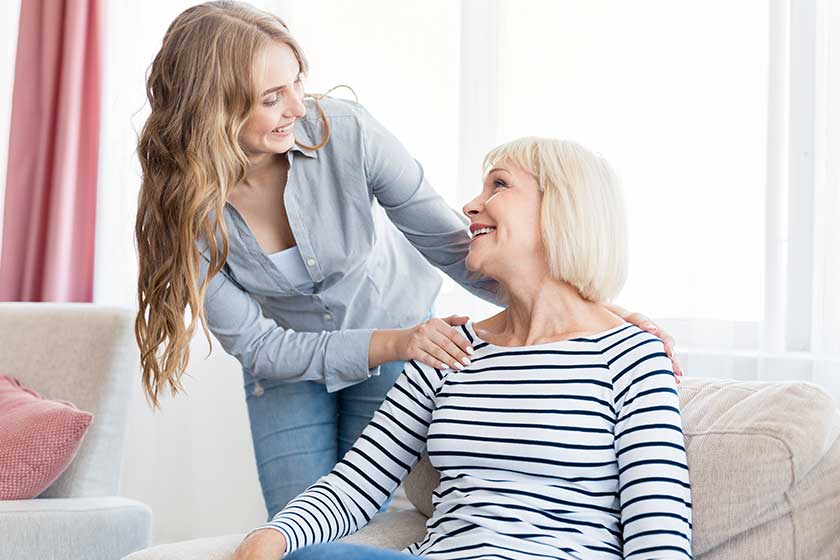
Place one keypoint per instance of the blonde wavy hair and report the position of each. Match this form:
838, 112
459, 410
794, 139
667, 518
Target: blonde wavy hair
582, 216
201, 90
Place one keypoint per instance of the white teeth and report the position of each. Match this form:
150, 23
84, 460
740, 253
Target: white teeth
483, 230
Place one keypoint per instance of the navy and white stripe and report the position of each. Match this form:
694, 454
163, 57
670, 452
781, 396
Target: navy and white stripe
571, 449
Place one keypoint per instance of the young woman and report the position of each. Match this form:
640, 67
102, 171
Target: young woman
300, 233
563, 438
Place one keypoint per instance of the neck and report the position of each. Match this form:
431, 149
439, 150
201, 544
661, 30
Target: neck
264, 169
542, 309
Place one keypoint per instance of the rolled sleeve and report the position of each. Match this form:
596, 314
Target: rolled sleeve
346, 359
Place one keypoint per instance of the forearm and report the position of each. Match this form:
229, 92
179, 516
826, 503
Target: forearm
345, 500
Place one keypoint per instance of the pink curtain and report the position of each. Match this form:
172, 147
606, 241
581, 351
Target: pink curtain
50, 199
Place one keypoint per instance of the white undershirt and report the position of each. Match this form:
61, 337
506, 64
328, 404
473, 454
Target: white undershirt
290, 262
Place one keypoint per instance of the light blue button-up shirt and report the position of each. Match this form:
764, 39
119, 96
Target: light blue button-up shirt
369, 227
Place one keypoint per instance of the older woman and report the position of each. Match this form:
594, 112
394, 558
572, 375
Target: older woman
563, 437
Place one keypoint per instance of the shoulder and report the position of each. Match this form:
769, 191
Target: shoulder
428, 378
630, 350
638, 363
335, 110
349, 122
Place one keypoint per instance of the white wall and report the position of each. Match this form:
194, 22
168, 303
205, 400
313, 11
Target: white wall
192, 461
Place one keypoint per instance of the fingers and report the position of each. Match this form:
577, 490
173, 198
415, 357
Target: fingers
643, 322
678, 371
447, 342
431, 360
668, 342
456, 320
458, 339
437, 344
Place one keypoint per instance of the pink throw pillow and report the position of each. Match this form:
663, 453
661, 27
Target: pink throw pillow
38, 439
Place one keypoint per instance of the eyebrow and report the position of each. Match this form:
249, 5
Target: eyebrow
272, 90
278, 88
498, 169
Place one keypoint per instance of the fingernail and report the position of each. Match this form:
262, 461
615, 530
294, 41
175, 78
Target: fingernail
458, 365
444, 366
649, 327
470, 350
466, 361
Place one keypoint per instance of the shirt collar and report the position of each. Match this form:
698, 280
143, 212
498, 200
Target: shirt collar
302, 135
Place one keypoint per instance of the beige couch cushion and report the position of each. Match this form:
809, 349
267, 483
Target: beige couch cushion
765, 470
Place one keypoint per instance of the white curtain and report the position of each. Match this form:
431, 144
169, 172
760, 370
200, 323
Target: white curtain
827, 227
722, 121
690, 101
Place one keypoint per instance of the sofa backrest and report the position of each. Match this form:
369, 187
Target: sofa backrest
85, 354
755, 450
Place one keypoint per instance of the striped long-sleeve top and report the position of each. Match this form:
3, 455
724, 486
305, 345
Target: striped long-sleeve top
570, 449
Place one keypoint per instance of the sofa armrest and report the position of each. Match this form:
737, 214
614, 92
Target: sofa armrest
85, 354
102, 528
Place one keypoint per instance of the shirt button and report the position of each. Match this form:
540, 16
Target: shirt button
311, 262
328, 316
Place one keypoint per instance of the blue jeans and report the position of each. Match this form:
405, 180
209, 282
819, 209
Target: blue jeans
300, 431
344, 551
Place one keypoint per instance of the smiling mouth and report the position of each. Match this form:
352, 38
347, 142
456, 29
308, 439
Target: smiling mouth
283, 130
482, 231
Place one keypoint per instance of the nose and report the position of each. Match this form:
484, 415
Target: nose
295, 108
473, 207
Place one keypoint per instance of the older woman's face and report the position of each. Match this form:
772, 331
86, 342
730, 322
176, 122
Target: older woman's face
269, 129
505, 221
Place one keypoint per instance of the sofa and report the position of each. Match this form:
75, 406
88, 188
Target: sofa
764, 461
85, 354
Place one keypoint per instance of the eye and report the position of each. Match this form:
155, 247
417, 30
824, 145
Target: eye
277, 94
499, 184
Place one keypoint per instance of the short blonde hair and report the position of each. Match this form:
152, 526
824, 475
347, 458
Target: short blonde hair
582, 214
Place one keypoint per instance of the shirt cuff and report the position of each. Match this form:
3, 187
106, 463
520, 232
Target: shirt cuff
346, 359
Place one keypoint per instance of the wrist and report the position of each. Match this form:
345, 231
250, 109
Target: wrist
270, 540
384, 346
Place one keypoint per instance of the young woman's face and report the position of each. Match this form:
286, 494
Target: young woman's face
505, 220
269, 129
